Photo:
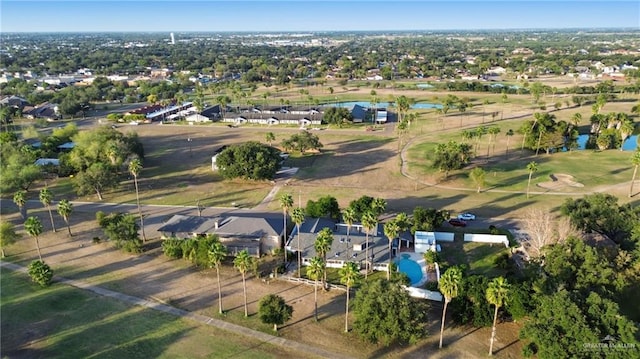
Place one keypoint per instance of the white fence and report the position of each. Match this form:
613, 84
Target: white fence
424, 294
487, 238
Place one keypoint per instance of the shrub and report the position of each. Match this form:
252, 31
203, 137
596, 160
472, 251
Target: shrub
96, 240
172, 248
40, 273
431, 286
529, 350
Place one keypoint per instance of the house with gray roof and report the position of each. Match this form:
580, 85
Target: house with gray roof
256, 234
345, 248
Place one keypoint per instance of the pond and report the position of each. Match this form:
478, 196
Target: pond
630, 144
350, 104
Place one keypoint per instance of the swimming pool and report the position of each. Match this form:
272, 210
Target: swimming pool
411, 268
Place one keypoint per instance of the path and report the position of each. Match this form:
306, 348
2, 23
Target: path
237, 329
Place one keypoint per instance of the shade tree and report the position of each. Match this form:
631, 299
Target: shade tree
250, 160
273, 309
386, 314
8, 236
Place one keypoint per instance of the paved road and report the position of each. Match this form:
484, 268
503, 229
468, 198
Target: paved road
237, 329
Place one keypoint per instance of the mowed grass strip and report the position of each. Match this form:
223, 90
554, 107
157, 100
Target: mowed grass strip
65, 322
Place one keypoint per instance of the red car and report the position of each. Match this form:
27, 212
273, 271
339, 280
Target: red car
457, 222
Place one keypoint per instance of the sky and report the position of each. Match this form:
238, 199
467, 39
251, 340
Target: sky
303, 15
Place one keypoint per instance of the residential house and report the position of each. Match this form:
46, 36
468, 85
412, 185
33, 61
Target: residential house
47, 111
255, 234
345, 248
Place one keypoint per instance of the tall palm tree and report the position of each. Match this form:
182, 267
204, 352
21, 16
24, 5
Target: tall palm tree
497, 293
635, 161
135, 166
509, 134
286, 202
322, 245
315, 269
450, 284
531, 167
217, 252
243, 263
46, 197
20, 199
348, 217
64, 209
391, 230
369, 222
493, 133
477, 175
349, 276
297, 216
403, 222
33, 226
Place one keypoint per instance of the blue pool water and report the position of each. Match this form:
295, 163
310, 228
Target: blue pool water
630, 144
411, 268
383, 104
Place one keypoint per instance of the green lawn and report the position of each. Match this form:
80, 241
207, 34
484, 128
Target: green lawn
479, 257
64, 322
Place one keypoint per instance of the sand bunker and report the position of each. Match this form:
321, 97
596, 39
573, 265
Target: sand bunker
560, 180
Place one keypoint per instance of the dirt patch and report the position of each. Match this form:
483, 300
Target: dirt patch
560, 181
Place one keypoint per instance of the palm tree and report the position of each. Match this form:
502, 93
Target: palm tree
635, 161
493, 133
243, 263
369, 222
348, 217
626, 129
531, 167
217, 252
270, 137
450, 284
297, 216
349, 276
134, 168
378, 205
576, 118
64, 209
20, 199
477, 175
33, 226
286, 202
322, 245
315, 269
403, 222
391, 230
497, 293
509, 134
46, 197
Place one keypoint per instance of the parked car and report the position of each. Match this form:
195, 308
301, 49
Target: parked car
457, 222
467, 216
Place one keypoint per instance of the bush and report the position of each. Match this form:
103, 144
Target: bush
529, 350
431, 286
40, 273
96, 240
172, 248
